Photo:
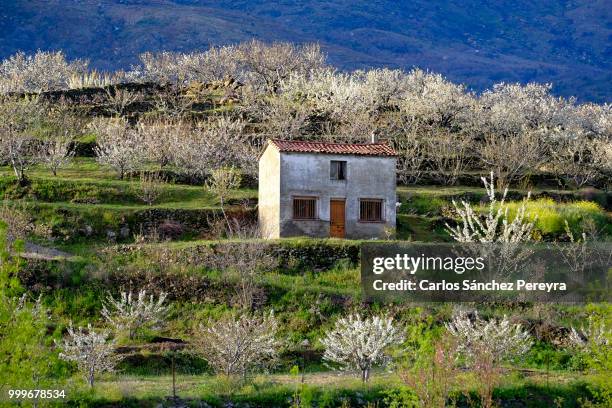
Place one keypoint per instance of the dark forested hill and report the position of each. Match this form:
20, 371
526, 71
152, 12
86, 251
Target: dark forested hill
568, 43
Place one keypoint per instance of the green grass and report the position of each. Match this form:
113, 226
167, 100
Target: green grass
403, 191
80, 168
421, 229
85, 187
110, 193
550, 216
533, 389
305, 304
424, 205
315, 282
86, 195
269, 390
341, 282
295, 242
448, 191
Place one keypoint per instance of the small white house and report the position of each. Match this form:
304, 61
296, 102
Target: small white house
326, 189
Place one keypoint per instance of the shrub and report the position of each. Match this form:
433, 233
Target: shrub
361, 343
493, 224
550, 216
92, 350
170, 230
27, 360
119, 146
150, 187
434, 373
234, 346
485, 345
132, 313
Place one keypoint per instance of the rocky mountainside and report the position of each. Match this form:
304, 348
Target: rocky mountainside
566, 42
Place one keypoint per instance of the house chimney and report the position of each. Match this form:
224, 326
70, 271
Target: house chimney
374, 137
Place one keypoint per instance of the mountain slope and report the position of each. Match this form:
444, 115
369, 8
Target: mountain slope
474, 42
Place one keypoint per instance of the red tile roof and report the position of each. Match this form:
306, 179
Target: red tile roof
360, 149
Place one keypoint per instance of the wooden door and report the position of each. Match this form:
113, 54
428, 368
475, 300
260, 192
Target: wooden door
336, 218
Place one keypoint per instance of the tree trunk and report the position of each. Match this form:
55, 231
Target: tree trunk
23, 180
365, 375
173, 379
229, 226
19, 172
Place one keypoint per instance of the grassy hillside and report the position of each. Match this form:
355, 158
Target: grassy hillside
87, 234
308, 283
87, 197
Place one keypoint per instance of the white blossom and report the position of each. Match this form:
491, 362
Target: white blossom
387, 87
501, 240
447, 154
508, 109
119, 99
221, 183
57, 149
218, 143
206, 67
118, 145
513, 156
43, 71
91, 350
499, 339
593, 335
161, 137
580, 158
266, 65
94, 79
495, 226
358, 343
56, 152
434, 100
233, 346
18, 147
132, 313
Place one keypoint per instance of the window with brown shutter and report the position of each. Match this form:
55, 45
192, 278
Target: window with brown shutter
304, 208
370, 210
